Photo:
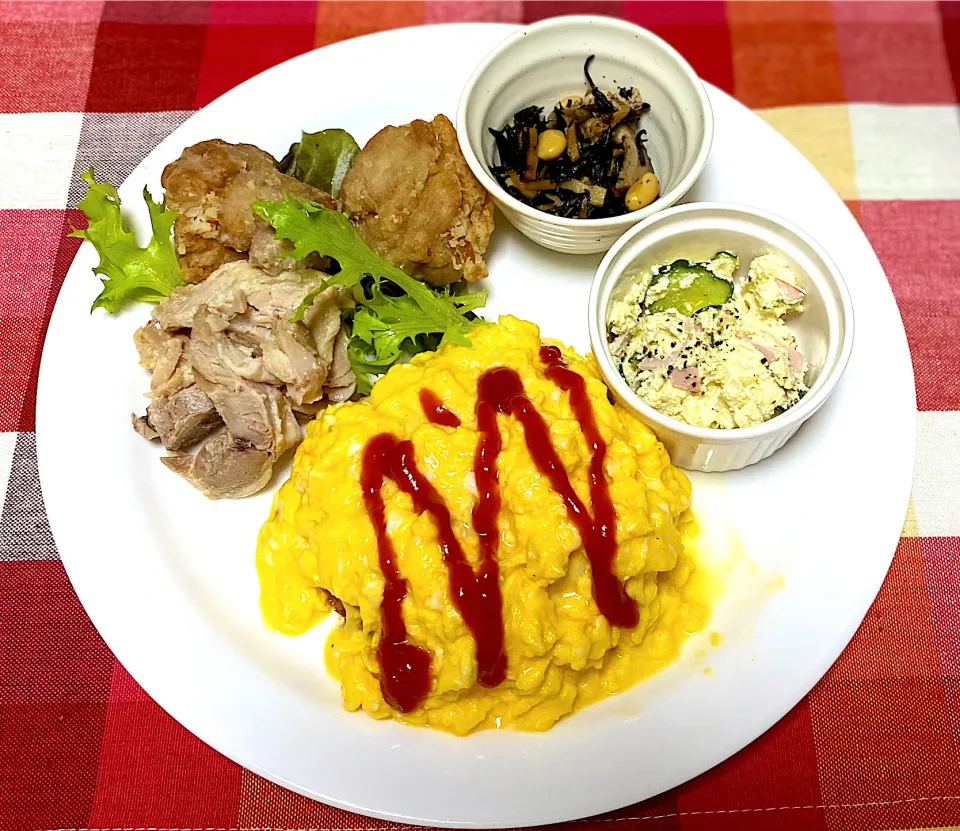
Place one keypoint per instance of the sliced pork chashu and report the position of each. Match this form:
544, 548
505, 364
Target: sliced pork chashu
242, 362
341, 383
225, 467
164, 354
181, 420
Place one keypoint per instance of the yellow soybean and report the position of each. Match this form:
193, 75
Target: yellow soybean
642, 192
551, 145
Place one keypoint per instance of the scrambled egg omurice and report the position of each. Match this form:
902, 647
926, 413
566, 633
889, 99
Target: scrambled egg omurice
319, 548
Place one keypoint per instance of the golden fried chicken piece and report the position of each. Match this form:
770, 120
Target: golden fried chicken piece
212, 186
415, 201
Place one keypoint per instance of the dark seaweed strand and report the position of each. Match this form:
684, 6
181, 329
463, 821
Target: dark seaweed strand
506, 146
512, 143
593, 164
571, 207
602, 154
512, 140
603, 104
555, 120
642, 146
529, 117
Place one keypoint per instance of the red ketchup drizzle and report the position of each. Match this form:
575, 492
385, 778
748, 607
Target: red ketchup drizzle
434, 410
599, 535
405, 667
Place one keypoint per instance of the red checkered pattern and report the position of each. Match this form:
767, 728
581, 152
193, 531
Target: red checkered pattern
867, 90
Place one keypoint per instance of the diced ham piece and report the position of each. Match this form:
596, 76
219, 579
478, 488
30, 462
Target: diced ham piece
766, 351
686, 379
796, 361
658, 363
791, 293
617, 343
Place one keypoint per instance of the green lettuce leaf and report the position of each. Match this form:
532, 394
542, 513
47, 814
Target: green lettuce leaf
395, 315
363, 369
321, 159
130, 274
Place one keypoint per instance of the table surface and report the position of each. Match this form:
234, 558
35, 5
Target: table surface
867, 91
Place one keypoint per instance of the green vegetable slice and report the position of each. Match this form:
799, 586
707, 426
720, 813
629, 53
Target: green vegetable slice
724, 264
689, 288
395, 315
130, 274
321, 159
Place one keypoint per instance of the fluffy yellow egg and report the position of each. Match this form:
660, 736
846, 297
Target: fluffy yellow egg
320, 543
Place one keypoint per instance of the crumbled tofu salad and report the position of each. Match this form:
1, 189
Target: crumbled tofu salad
701, 349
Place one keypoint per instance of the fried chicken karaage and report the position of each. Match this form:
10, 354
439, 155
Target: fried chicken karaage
415, 201
212, 186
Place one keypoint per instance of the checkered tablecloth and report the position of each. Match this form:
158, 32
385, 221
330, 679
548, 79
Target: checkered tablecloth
868, 91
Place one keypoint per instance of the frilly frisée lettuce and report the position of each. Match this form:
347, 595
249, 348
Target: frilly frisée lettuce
130, 274
395, 315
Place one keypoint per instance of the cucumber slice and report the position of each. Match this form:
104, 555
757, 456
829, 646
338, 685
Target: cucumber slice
724, 264
688, 289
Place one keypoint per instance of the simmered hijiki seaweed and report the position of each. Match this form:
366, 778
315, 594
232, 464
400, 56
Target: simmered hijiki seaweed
584, 159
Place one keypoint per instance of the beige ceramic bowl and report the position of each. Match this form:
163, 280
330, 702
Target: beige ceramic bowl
544, 62
695, 232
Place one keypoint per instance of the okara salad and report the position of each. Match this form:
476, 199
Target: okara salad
699, 348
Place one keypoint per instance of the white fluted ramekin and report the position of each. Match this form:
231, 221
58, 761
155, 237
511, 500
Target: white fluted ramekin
696, 232
544, 62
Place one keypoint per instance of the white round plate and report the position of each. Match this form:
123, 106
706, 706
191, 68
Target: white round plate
168, 577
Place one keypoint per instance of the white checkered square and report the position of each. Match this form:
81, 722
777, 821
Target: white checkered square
37, 153
936, 485
906, 151
8, 441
